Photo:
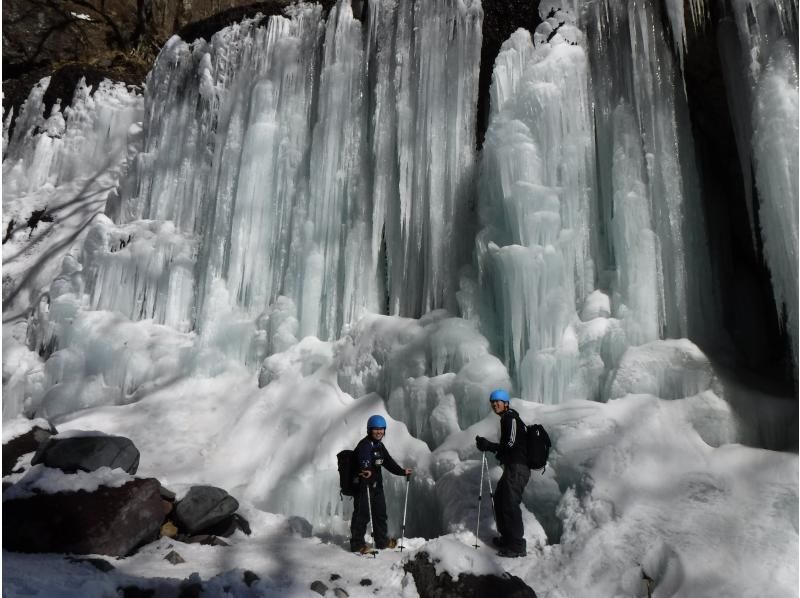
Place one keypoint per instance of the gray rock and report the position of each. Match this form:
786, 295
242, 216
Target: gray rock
319, 587
202, 508
340, 593
300, 527
88, 453
174, 558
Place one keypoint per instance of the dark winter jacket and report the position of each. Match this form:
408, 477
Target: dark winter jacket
511, 448
371, 455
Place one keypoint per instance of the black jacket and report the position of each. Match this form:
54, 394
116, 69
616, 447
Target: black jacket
372, 455
512, 445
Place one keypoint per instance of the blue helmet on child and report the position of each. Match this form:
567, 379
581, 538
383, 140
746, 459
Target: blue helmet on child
376, 421
499, 395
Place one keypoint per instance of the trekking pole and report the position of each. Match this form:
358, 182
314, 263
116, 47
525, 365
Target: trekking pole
371, 524
405, 506
491, 492
480, 499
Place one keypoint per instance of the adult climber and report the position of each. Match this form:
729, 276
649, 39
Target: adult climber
371, 456
512, 454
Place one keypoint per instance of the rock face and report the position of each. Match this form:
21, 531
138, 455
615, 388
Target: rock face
430, 585
89, 453
21, 445
202, 508
110, 521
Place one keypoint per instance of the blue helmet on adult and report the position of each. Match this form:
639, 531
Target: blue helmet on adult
499, 395
376, 421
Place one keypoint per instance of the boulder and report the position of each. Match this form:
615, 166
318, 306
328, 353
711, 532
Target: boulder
300, 526
202, 508
110, 521
430, 585
167, 494
21, 445
89, 453
227, 527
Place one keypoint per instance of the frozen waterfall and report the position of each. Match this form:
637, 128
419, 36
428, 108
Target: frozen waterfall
294, 174
305, 234
308, 159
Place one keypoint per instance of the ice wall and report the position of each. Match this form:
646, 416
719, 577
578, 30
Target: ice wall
327, 162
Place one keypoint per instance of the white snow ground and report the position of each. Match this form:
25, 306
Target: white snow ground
658, 480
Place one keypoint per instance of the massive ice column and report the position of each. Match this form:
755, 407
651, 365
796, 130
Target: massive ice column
537, 189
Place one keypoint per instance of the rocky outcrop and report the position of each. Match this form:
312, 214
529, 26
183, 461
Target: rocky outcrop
111, 513
111, 521
430, 585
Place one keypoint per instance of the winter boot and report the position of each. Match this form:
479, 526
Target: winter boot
390, 543
511, 553
499, 541
357, 547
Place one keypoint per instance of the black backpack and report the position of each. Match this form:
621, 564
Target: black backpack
348, 478
538, 445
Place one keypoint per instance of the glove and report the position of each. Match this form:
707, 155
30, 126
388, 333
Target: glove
482, 443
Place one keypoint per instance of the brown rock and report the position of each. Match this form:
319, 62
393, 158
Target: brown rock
168, 530
110, 521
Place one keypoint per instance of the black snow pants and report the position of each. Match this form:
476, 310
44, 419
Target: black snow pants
507, 499
358, 525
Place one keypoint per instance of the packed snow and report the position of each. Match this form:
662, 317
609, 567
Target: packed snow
273, 241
